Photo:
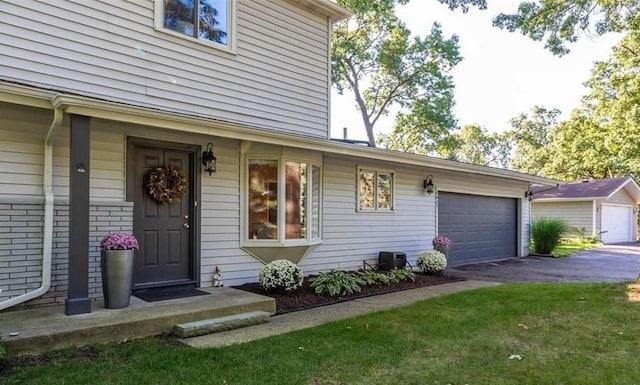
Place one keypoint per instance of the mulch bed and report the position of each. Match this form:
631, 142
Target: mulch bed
306, 297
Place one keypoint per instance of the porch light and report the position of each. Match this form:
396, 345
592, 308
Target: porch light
428, 185
208, 159
528, 194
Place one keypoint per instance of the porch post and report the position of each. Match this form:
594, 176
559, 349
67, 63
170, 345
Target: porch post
78, 301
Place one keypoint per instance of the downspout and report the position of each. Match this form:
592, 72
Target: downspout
47, 238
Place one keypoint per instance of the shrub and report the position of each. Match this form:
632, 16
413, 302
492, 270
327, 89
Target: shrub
281, 274
373, 277
2, 351
546, 234
399, 275
432, 261
336, 282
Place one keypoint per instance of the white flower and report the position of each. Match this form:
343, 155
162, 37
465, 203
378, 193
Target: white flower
432, 261
281, 274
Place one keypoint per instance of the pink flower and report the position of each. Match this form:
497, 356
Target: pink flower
119, 241
441, 241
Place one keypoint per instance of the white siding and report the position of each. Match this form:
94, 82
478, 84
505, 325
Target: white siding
22, 132
621, 198
350, 237
278, 79
577, 214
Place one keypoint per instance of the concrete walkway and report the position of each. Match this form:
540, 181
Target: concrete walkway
317, 316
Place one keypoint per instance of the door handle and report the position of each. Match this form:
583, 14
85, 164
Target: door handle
186, 225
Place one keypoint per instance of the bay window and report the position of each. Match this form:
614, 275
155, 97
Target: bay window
283, 201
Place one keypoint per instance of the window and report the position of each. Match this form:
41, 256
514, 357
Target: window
283, 201
375, 190
209, 21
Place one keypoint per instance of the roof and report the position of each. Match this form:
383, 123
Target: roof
99, 108
587, 189
326, 8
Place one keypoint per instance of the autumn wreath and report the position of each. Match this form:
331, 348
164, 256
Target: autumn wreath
166, 184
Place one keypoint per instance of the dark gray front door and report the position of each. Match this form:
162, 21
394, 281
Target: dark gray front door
481, 228
163, 230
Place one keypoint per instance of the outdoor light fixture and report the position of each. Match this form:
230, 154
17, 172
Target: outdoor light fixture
428, 185
528, 194
208, 159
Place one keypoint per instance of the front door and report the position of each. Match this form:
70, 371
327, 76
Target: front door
164, 231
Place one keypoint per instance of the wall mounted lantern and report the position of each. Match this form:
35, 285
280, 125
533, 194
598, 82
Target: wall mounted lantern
528, 194
428, 185
208, 159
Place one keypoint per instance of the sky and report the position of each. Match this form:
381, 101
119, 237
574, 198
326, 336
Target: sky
502, 74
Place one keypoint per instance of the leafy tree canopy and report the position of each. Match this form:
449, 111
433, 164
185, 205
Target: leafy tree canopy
558, 22
475, 144
532, 136
375, 57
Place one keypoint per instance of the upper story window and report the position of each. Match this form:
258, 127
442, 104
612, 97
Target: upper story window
208, 21
375, 190
283, 201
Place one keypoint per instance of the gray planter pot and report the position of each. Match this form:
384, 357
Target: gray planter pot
443, 249
117, 277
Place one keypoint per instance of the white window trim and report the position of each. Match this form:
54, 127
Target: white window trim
244, 210
232, 22
376, 171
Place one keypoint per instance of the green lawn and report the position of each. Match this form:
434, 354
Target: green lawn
564, 333
568, 247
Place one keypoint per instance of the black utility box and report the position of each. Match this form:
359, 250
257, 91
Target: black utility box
388, 260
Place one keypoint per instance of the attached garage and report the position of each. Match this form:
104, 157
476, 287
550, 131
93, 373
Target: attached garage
481, 228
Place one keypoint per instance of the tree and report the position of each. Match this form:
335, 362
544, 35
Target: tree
558, 22
603, 138
474, 144
579, 150
532, 136
375, 57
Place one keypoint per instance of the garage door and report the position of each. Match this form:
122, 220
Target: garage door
481, 228
616, 223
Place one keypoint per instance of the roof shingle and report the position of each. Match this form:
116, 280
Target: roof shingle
588, 188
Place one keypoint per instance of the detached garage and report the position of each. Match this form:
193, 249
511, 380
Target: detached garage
604, 208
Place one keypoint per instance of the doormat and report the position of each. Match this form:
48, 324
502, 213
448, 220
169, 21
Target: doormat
163, 294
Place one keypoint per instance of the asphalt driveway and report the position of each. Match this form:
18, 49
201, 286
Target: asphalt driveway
611, 263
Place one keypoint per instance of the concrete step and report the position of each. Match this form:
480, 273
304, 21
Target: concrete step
47, 328
214, 325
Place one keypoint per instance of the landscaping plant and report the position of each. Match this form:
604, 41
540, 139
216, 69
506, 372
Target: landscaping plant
546, 234
399, 275
281, 275
336, 282
2, 352
432, 261
374, 277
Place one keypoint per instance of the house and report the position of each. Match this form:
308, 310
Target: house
604, 208
109, 108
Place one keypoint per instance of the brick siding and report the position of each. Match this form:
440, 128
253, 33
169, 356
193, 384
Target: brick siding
21, 227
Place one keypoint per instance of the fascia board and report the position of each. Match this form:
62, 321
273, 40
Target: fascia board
81, 105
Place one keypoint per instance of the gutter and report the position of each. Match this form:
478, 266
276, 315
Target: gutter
47, 238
